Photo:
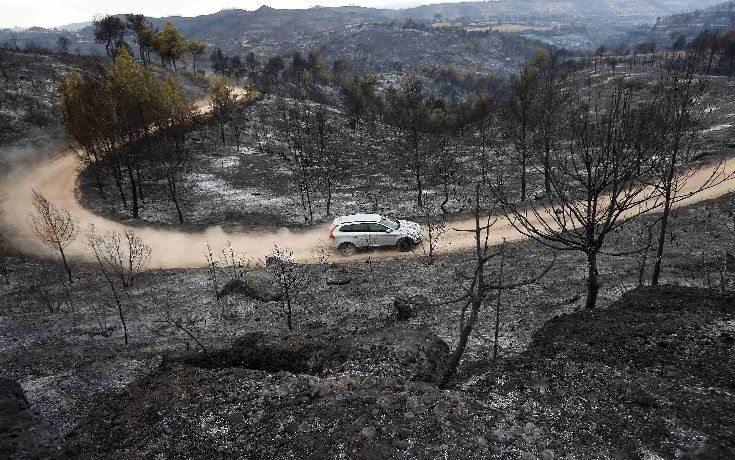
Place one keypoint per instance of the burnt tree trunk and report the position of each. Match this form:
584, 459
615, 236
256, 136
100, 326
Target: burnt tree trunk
593, 281
66, 264
133, 191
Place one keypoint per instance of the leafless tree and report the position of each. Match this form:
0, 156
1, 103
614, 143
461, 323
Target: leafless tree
108, 252
291, 277
414, 120
54, 226
612, 61
499, 301
174, 159
65, 288
212, 269
52, 303
595, 182
370, 246
553, 94
645, 234
189, 325
486, 131
310, 145
478, 284
447, 166
677, 95
322, 254
235, 262
518, 118
100, 314
124, 255
59, 293
62, 43
175, 321
4, 64
227, 262
4, 255
298, 155
175, 163
435, 229
328, 142
260, 127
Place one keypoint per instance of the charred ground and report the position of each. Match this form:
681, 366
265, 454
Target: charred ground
213, 375
603, 380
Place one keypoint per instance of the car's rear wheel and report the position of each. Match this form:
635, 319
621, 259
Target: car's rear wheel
405, 245
347, 249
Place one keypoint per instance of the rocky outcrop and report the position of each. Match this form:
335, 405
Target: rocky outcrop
23, 433
316, 393
258, 285
400, 353
657, 363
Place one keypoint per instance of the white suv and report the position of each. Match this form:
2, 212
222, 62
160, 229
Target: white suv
371, 230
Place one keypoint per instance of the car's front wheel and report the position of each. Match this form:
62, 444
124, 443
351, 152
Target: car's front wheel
405, 245
347, 249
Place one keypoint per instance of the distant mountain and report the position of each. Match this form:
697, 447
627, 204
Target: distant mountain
229, 28
688, 24
269, 21
721, 15
269, 28
577, 24
638, 10
75, 27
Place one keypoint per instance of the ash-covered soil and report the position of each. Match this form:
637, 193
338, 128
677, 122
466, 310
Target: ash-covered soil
597, 392
252, 187
68, 360
652, 375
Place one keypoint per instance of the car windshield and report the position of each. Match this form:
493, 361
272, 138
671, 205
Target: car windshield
390, 224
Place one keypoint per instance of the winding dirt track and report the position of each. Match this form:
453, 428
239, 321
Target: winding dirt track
57, 180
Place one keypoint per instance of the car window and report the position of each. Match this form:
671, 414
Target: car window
378, 228
362, 228
389, 223
348, 228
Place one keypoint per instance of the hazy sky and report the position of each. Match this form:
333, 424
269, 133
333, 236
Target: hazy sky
51, 13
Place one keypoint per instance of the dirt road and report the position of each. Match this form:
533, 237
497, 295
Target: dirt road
57, 179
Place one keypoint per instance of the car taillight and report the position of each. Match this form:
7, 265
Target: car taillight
331, 232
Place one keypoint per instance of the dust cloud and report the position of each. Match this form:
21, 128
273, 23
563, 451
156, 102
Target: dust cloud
52, 170
56, 179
